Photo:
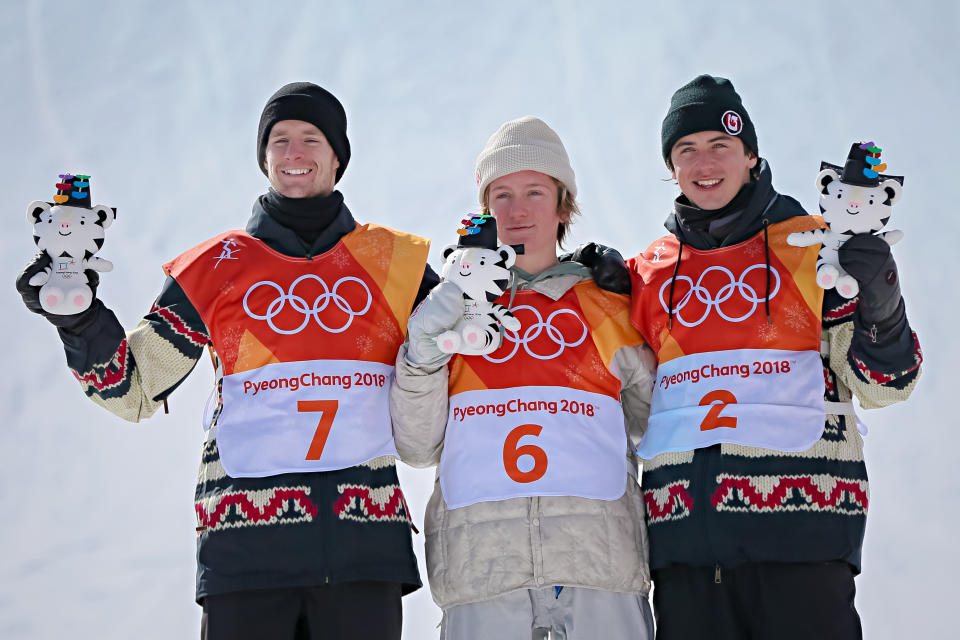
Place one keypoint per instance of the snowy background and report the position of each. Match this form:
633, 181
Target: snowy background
159, 102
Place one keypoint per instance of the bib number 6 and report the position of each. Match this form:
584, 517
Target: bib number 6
512, 451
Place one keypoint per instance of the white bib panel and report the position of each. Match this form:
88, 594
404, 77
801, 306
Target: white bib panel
315, 415
532, 441
766, 398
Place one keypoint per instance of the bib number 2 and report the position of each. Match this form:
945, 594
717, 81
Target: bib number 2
513, 450
717, 401
328, 410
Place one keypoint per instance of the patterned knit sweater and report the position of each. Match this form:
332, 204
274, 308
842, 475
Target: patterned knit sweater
295, 529
727, 504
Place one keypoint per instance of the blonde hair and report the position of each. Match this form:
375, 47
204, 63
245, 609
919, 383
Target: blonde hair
567, 207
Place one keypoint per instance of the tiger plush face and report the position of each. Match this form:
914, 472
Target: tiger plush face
481, 273
850, 209
76, 232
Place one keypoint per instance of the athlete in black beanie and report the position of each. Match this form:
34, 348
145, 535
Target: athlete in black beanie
707, 103
310, 103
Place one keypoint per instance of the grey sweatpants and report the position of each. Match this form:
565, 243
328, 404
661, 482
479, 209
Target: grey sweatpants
534, 614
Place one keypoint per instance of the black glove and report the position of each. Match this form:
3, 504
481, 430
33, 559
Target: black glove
867, 258
31, 296
606, 266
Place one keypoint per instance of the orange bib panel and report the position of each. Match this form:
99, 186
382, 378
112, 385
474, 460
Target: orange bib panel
307, 347
541, 415
725, 373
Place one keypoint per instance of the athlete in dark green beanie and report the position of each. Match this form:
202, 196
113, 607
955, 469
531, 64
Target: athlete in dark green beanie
703, 104
755, 533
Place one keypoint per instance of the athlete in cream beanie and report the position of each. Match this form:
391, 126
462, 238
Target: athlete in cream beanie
524, 144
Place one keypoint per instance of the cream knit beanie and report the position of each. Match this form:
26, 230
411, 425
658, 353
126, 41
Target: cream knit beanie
523, 144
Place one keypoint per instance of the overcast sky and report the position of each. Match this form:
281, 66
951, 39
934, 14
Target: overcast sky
159, 102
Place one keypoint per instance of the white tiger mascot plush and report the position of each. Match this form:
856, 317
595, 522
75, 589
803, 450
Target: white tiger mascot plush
854, 199
482, 273
70, 231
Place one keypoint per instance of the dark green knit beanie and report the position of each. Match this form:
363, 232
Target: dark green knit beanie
706, 104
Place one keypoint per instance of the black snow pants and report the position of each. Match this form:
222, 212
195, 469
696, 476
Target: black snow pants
347, 611
756, 601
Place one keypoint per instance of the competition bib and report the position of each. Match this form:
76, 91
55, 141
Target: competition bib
305, 347
315, 415
737, 336
533, 441
757, 397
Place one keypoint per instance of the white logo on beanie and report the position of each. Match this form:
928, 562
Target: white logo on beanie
732, 123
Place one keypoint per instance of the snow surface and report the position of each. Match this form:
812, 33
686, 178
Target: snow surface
159, 102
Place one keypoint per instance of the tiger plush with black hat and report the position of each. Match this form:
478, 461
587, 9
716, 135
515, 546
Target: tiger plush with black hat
856, 198
70, 230
481, 269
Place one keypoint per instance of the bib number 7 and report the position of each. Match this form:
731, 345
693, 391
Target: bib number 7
328, 410
512, 451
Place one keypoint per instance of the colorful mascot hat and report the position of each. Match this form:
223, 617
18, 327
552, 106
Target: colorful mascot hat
480, 230
863, 167
73, 191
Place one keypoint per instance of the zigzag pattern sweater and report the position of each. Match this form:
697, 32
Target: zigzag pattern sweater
728, 504
300, 529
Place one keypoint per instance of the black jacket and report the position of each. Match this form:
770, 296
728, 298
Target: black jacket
730, 504
288, 530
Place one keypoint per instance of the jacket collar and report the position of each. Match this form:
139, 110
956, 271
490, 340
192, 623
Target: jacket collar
555, 286
285, 240
552, 282
763, 204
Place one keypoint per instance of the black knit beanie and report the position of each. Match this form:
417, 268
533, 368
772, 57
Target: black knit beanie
310, 103
706, 104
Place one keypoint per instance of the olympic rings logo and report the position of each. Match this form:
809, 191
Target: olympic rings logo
299, 304
533, 331
739, 285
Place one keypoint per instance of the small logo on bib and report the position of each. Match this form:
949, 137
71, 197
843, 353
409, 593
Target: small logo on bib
658, 252
226, 251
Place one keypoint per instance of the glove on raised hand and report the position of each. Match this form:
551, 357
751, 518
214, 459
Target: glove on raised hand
31, 295
867, 258
606, 266
439, 312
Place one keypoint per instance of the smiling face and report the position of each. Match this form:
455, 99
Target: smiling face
300, 163
711, 167
525, 206
849, 208
480, 272
67, 230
